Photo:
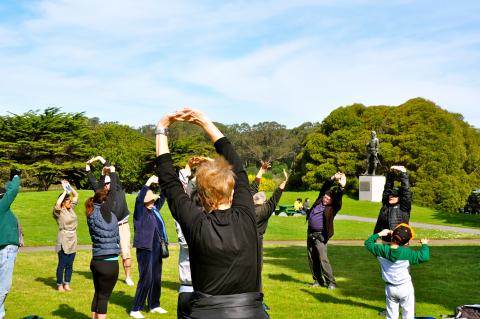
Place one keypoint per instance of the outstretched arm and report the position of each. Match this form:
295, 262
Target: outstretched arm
241, 194
338, 199
406, 195
266, 210
182, 208
13, 188
388, 186
265, 165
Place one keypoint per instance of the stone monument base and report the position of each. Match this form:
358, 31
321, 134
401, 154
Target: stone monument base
371, 187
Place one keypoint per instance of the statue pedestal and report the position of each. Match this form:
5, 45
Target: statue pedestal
371, 187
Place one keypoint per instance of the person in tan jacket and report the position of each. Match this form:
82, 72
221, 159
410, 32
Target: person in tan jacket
66, 246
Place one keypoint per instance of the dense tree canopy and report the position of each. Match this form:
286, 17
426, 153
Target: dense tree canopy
44, 145
127, 149
440, 151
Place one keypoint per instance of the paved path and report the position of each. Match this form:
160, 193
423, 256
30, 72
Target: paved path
414, 224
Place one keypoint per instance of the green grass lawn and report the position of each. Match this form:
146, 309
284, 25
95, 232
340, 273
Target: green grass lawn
448, 280
34, 210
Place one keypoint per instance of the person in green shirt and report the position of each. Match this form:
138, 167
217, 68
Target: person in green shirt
401, 235
9, 239
395, 260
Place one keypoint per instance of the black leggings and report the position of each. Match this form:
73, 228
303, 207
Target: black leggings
105, 275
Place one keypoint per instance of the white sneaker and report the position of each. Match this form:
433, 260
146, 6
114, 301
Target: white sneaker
136, 314
158, 310
129, 281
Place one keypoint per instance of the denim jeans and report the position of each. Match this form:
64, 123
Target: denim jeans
65, 262
7, 261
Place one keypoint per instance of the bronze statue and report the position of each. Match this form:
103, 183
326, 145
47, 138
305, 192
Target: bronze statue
372, 151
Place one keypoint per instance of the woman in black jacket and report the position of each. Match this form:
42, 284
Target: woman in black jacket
222, 237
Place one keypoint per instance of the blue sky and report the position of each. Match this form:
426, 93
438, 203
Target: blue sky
238, 61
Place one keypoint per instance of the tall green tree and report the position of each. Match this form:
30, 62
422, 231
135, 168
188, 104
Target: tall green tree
127, 149
440, 151
47, 145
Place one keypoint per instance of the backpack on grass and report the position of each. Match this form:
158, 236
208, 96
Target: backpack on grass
466, 312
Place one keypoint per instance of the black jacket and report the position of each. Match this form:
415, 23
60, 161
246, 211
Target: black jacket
331, 210
390, 216
223, 244
120, 207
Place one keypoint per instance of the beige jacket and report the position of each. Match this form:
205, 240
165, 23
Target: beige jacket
67, 229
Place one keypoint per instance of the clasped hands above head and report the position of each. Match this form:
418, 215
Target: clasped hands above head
341, 178
183, 115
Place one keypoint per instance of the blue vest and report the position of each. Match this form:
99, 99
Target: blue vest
105, 237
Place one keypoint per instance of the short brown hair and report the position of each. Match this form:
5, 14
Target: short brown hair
215, 182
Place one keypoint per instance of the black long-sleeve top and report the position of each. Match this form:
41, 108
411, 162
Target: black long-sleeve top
265, 211
119, 205
223, 244
392, 215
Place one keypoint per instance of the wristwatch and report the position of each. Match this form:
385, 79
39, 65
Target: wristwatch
161, 130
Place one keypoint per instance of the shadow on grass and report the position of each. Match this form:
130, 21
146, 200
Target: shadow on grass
86, 274
285, 277
125, 301
457, 218
66, 311
449, 279
172, 285
49, 281
322, 297
121, 299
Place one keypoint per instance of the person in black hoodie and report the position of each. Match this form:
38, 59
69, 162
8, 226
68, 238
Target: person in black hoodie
320, 230
222, 235
397, 202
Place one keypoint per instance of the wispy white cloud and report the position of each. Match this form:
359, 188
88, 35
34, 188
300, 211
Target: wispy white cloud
287, 61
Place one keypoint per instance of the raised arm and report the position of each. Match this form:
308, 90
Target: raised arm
74, 195
377, 249
13, 187
422, 255
405, 194
182, 208
91, 178
265, 165
388, 186
338, 195
108, 205
269, 207
241, 194
62, 195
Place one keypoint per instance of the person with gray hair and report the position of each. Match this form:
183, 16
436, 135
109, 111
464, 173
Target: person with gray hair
264, 210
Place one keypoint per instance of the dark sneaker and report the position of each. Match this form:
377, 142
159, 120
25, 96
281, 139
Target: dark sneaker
332, 286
